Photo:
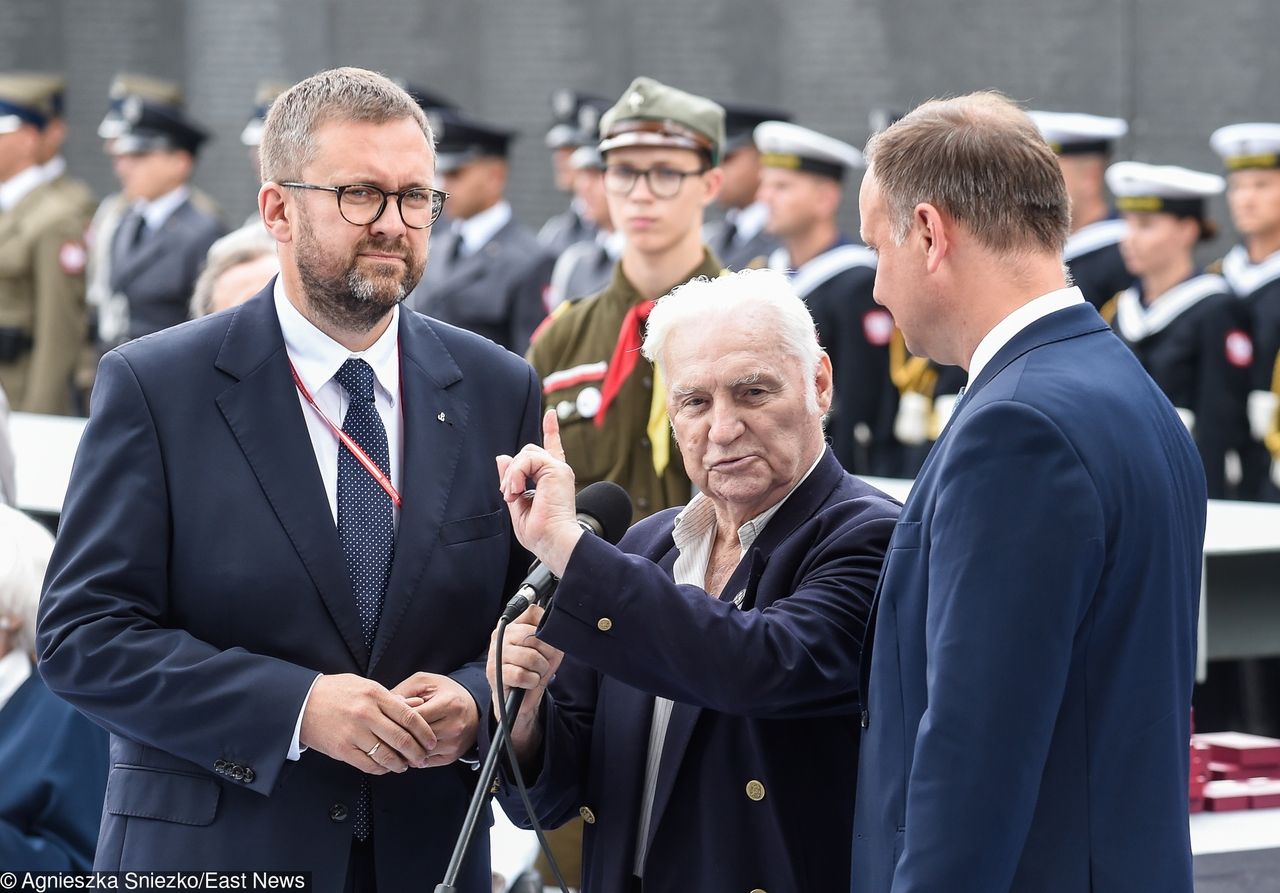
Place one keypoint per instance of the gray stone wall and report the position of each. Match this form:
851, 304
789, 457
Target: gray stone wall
1175, 68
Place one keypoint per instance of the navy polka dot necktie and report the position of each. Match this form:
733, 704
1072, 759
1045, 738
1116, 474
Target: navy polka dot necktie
365, 523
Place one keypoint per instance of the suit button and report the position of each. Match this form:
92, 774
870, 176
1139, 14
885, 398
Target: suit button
338, 812
249, 775
644, 443
237, 772
587, 815
604, 624
757, 890
755, 790
220, 766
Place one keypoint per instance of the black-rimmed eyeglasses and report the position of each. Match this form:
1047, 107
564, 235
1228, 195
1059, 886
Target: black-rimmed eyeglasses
663, 182
361, 204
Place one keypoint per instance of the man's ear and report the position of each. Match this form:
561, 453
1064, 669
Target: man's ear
276, 212
933, 229
712, 180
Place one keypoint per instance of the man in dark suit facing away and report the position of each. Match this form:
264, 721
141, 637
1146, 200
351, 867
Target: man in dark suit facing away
283, 547
1028, 709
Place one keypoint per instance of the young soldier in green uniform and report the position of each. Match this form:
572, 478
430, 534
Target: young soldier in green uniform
661, 149
42, 257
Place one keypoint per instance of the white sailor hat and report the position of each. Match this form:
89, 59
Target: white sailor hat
1247, 146
1162, 189
1070, 133
792, 147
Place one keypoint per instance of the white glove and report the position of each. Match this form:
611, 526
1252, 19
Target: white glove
911, 426
1262, 413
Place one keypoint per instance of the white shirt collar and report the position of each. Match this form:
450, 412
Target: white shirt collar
696, 522
748, 221
1015, 322
612, 243
317, 357
15, 668
158, 210
478, 230
54, 168
17, 187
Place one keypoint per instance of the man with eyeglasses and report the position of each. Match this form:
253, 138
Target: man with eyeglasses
661, 149
283, 548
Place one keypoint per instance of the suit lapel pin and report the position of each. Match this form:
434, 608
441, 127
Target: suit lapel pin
444, 418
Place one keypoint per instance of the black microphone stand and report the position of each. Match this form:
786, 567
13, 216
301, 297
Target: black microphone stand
489, 772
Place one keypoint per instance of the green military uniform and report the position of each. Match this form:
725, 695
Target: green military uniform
571, 356
42, 258
42, 315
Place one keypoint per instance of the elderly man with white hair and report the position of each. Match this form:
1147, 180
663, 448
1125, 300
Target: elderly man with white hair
693, 692
55, 760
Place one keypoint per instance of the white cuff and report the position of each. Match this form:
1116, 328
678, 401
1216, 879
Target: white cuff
295, 746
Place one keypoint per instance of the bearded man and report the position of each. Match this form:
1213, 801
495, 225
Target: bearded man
283, 547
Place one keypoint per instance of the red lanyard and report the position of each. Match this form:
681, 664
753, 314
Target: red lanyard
345, 439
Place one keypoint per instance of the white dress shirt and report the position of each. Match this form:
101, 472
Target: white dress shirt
158, 210
317, 358
695, 535
1015, 322
476, 232
16, 188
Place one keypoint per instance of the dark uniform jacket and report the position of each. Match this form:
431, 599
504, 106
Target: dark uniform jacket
736, 249
156, 274
42, 315
1093, 257
565, 229
1193, 341
756, 783
571, 356
496, 291
855, 331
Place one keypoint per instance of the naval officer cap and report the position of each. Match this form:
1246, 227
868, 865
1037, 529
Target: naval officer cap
156, 91
155, 127
792, 147
1071, 133
652, 115
28, 98
1253, 146
461, 139
575, 118
1161, 189
265, 95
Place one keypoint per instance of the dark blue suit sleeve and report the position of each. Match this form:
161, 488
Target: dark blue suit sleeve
795, 657
106, 637
472, 674
1016, 553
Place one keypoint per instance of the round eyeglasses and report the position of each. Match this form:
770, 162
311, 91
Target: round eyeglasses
361, 204
662, 182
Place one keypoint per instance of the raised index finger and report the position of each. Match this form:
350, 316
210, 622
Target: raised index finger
551, 435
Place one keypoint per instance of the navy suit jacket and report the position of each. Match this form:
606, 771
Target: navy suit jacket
198, 585
755, 787
1030, 683
55, 765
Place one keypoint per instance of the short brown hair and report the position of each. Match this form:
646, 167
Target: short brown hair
339, 94
979, 159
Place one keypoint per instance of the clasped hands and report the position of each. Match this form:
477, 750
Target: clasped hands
426, 721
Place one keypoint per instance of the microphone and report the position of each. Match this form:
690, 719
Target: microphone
604, 509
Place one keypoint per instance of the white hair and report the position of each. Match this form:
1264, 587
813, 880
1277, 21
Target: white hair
704, 302
25, 547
